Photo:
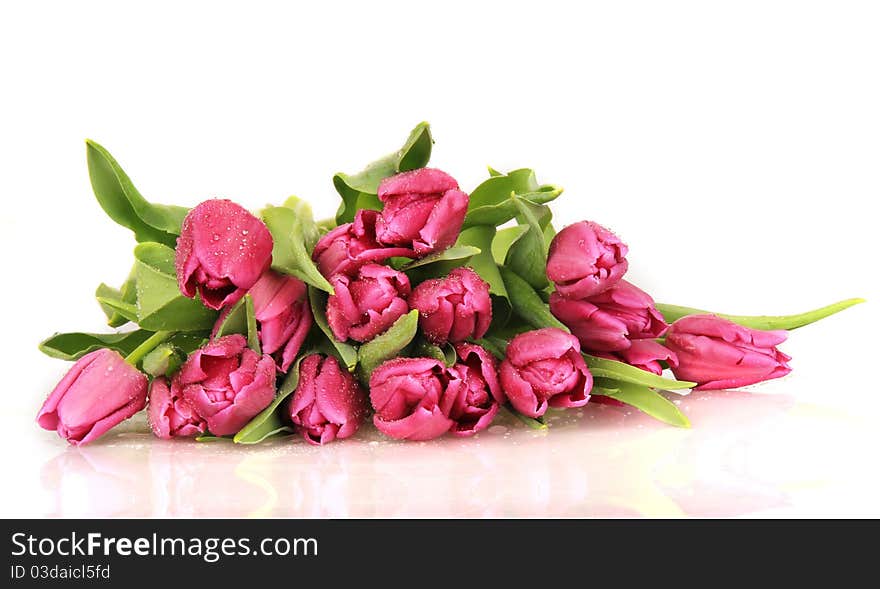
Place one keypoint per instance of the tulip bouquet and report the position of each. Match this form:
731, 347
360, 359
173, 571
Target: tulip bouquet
423, 306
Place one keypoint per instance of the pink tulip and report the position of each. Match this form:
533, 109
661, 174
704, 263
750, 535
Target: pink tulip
454, 308
170, 414
227, 383
282, 310
406, 395
473, 394
608, 321
545, 367
328, 403
719, 354
645, 354
350, 246
98, 392
221, 252
365, 306
585, 259
424, 210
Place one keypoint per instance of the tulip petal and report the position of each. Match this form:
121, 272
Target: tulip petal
540, 344
520, 393
422, 424
444, 223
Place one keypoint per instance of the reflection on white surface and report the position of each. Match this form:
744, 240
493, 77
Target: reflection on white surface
747, 454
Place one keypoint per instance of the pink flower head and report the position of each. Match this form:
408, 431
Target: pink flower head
545, 367
454, 308
473, 394
645, 354
350, 246
170, 414
366, 305
328, 403
282, 311
227, 383
719, 354
406, 395
608, 321
585, 259
98, 392
221, 252
424, 210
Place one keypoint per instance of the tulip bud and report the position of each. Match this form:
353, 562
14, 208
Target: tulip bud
170, 414
473, 394
608, 321
221, 252
283, 314
365, 306
424, 210
545, 367
328, 403
350, 246
585, 259
227, 383
406, 393
454, 308
98, 392
719, 354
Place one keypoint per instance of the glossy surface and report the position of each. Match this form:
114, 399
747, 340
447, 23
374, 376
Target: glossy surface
748, 454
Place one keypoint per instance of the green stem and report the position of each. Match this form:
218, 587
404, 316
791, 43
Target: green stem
674, 312
148, 346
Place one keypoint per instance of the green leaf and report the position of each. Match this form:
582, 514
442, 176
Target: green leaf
294, 234
422, 348
651, 402
531, 422
347, 353
253, 336
494, 201
504, 239
118, 311
113, 299
241, 319
620, 372
209, 437
494, 345
527, 256
270, 421
234, 321
460, 254
527, 303
387, 345
549, 234
123, 203
73, 346
769, 322
160, 304
358, 191
163, 360
189, 341
480, 238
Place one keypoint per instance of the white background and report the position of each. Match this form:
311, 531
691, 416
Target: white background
734, 146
